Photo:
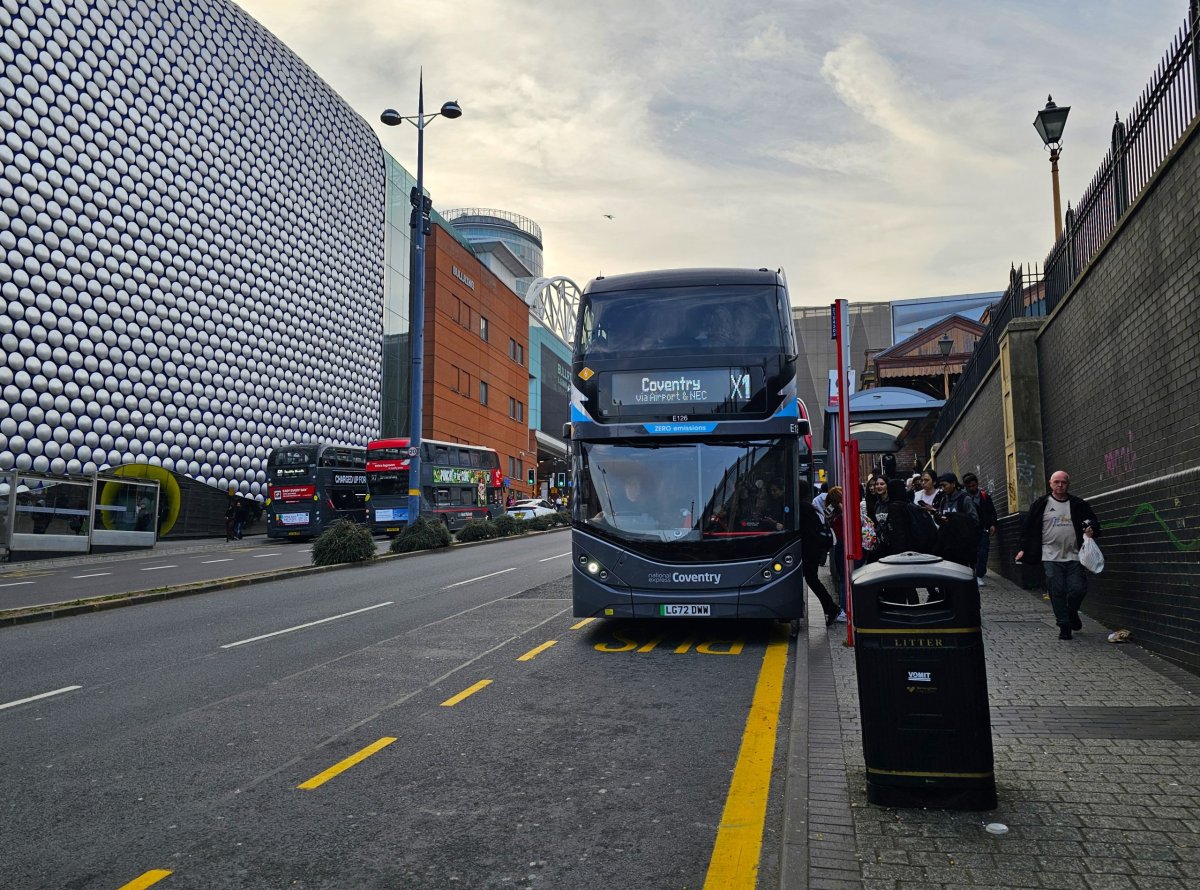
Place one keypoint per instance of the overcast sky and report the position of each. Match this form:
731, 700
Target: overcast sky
874, 150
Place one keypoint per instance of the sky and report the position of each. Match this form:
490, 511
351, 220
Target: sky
873, 150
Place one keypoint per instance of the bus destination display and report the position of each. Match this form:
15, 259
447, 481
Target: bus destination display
698, 386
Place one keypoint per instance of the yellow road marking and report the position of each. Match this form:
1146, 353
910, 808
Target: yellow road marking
469, 691
338, 768
734, 862
584, 623
533, 653
149, 879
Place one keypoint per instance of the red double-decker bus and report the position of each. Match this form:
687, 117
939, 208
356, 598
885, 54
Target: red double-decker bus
458, 483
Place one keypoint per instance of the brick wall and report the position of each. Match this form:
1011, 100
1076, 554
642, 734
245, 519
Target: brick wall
1119, 367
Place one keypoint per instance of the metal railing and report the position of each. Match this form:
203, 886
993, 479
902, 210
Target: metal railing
1166, 108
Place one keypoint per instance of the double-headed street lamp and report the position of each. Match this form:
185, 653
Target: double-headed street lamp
419, 224
1049, 124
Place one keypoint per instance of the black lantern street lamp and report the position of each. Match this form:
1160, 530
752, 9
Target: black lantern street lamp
945, 344
420, 226
1049, 123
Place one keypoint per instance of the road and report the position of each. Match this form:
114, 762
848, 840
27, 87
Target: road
439, 721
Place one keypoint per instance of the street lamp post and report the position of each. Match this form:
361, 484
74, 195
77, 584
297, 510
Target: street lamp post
945, 344
1049, 123
419, 222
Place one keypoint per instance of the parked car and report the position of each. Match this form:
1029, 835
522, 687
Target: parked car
530, 508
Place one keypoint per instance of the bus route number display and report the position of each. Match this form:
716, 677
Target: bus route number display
699, 386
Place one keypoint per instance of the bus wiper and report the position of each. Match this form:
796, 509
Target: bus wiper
611, 511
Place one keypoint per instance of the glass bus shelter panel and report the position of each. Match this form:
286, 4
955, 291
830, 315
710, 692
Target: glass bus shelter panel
48, 514
7, 498
126, 512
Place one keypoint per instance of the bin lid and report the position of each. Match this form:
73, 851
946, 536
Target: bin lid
917, 568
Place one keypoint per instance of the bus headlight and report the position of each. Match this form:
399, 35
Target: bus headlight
592, 567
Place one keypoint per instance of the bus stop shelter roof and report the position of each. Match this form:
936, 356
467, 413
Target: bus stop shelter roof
881, 418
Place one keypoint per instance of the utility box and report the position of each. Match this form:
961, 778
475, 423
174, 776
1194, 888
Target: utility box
922, 684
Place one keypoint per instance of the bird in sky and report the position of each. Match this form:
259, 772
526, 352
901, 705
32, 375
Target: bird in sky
608, 216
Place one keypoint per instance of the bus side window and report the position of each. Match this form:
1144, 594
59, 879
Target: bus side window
442, 497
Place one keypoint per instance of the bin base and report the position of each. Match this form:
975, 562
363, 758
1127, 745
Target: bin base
978, 796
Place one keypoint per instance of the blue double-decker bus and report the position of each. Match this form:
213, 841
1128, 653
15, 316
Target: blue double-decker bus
687, 442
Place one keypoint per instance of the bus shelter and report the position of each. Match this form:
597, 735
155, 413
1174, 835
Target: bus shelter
45, 515
884, 420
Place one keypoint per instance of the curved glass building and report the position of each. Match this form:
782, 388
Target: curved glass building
519, 233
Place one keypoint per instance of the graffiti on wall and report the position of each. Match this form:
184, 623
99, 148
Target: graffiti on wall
1174, 532
1119, 462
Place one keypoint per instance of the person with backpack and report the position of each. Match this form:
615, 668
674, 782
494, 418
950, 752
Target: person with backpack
987, 523
958, 523
896, 529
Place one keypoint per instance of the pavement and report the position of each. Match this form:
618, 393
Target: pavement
1096, 748
1097, 766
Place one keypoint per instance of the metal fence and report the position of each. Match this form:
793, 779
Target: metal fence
1140, 144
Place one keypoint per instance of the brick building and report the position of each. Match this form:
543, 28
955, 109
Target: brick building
476, 380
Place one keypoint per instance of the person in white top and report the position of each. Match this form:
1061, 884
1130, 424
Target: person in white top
926, 491
1052, 534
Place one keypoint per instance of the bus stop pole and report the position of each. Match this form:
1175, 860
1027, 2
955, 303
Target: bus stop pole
847, 462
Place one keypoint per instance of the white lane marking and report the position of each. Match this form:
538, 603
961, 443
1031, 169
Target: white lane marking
210, 561
288, 630
261, 555
548, 558
480, 578
156, 568
15, 583
22, 701
96, 575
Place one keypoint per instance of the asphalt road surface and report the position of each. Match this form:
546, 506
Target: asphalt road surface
42, 582
440, 721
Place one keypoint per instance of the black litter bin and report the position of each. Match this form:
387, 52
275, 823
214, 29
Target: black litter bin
922, 684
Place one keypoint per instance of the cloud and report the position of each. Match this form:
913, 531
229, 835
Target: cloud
875, 150
769, 42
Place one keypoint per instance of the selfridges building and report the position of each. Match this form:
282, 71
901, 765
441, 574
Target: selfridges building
191, 244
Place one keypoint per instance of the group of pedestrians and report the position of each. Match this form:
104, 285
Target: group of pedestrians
935, 514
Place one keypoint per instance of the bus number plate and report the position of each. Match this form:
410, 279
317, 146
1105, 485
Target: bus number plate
668, 610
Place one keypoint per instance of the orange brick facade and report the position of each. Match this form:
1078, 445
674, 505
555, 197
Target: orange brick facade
462, 297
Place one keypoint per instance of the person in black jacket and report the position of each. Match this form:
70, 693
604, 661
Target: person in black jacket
1052, 534
896, 533
987, 523
958, 522
813, 551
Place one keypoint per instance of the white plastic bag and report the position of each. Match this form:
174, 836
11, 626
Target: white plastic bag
1091, 557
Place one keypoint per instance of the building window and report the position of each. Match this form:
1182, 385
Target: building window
464, 383
483, 328
516, 351
483, 393
516, 410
